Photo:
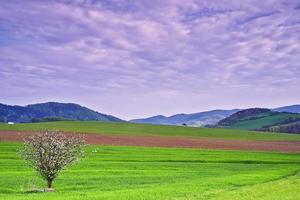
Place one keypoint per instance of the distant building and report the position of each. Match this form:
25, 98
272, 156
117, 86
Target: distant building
10, 122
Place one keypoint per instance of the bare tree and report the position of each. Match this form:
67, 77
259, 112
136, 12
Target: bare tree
50, 152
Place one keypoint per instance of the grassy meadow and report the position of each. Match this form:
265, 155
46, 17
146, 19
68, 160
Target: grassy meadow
148, 129
131, 173
135, 173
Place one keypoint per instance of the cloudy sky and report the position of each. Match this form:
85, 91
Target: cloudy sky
136, 58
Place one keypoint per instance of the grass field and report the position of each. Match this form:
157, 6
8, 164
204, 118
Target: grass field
158, 174
135, 173
147, 129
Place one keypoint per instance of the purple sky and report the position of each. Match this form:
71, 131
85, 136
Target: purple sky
136, 58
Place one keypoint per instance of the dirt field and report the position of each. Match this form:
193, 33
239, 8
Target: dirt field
187, 142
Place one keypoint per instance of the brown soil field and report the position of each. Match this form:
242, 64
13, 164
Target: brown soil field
182, 142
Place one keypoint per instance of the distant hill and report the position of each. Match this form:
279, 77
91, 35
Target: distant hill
195, 119
158, 119
51, 111
291, 109
245, 115
262, 119
208, 118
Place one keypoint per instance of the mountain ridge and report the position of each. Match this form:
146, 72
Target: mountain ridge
292, 108
70, 111
211, 117
193, 119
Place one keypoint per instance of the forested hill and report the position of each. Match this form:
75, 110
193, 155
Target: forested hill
246, 114
263, 120
51, 111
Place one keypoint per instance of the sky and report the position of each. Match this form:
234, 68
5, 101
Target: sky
138, 58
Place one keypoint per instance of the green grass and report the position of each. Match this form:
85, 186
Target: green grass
283, 189
263, 121
147, 129
129, 173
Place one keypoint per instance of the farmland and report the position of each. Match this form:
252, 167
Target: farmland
120, 128
158, 173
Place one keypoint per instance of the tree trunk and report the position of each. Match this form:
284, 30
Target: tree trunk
49, 183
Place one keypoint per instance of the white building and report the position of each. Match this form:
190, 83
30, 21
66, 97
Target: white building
10, 122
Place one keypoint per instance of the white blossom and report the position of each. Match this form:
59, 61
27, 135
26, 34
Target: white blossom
50, 152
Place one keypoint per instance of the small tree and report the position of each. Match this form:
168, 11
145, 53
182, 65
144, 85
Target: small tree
50, 152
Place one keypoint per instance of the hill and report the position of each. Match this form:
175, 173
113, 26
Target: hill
51, 110
208, 118
263, 120
291, 109
195, 119
246, 114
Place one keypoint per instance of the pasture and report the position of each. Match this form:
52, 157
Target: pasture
152, 173
123, 128
158, 174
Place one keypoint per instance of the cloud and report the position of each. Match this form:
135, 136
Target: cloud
101, 53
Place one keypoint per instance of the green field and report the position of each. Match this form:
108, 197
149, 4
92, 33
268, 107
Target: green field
134, 173
158, 174
147, 129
